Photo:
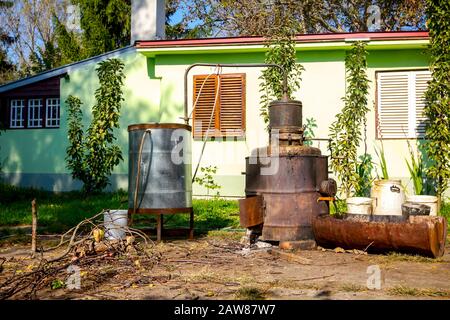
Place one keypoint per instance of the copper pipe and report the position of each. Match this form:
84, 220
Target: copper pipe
230, 65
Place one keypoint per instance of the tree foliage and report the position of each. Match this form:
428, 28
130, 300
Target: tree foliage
181, 29
346, 130
255, 17
69, 43
106, 24
29, 22
437, 107
93, 156
7, 68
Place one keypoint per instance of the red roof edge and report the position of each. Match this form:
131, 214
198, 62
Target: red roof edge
323, 37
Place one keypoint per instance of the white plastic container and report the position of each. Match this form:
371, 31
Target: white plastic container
359, 205
430, 201
389, 195
115, 223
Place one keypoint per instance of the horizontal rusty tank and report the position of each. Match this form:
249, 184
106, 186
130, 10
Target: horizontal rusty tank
424, 235
284, 179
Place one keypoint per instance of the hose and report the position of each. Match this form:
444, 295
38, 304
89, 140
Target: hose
138, 175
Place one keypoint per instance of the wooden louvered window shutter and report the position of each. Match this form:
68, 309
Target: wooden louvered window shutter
229, 116
400, 104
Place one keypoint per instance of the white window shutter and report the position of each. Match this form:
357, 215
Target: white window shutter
393, 107
401, 103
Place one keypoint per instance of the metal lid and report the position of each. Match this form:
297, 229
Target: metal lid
143, 126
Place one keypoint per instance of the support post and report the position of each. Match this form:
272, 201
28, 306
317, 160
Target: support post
191, 225
159, 227
34, 216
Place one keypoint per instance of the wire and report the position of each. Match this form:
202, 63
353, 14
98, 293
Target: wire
219, 71
201, 88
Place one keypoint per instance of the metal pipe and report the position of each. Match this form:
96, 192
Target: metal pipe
230, 65
423, 235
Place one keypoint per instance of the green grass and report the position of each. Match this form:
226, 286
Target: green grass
395, 256
209, 215
250, 293
351, 287
61, 211
417, 292
445, 211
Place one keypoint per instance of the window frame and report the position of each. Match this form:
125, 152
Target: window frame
215, 130
31, 117
377, 100
26, 112
22, 115
48, 116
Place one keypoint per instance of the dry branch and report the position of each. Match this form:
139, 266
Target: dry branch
81, 249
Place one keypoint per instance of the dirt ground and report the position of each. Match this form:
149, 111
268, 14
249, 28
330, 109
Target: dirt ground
218, 267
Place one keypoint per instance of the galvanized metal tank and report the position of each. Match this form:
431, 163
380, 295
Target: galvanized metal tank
165, 172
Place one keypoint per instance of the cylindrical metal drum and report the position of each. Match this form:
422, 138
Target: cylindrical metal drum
164, 174
389, 195
290, 185
285, 114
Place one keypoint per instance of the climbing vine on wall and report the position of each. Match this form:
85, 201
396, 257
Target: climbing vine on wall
346, 130
92, 156
281, 50
437, 107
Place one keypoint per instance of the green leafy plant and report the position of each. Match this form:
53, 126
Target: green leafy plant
91, 157
364, 169
57, 284
416, 168
382, 162
1, 165
310, 125
345, 131
437, 96
281, 50
207, 179
75, 152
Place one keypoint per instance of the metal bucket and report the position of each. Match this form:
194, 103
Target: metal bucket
389, 195
430, 201
115, 222
359, 205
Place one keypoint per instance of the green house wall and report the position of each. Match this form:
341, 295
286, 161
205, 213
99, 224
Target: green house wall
153, 92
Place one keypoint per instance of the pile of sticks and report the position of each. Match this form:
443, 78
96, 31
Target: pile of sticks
84, 246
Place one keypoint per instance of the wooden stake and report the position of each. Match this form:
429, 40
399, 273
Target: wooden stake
34, 216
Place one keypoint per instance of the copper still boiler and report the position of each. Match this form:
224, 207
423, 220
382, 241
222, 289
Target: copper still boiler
286, 181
